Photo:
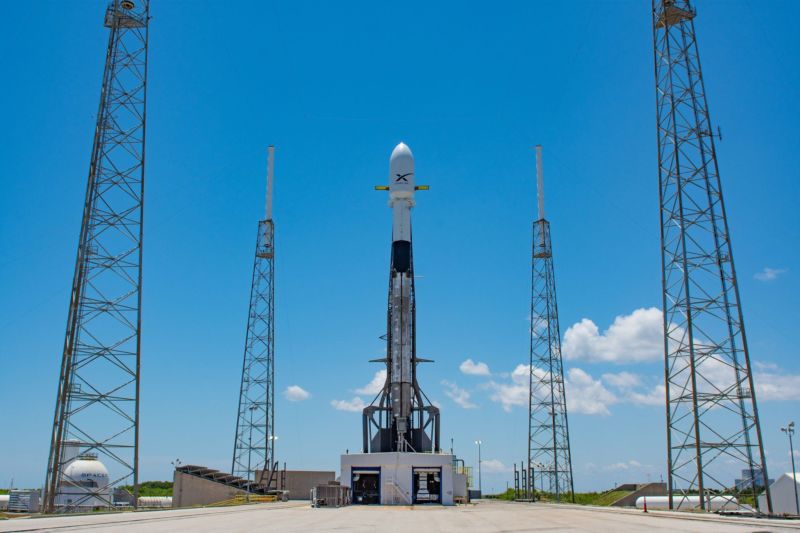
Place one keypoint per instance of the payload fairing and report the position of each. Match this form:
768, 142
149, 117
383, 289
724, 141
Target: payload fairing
401, 418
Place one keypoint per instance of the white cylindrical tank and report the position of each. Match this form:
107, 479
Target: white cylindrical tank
159, 502
684, 503
4, 501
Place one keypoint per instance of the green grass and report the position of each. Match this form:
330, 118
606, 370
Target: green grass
583, 498
599, 498
152, 488
507, 495
3, 491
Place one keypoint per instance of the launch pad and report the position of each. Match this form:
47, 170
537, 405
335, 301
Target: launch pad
402, 478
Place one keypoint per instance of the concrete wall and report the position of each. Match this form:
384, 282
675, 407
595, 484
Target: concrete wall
397, 473
189, 490
300, 482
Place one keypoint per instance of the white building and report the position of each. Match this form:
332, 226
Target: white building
783, 495
393, 478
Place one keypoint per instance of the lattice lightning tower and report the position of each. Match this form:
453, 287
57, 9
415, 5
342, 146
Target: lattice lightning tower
713, 430
97, 405
548, 432
254, 447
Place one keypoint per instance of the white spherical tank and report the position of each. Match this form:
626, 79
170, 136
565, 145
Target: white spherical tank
87, 470
84, 484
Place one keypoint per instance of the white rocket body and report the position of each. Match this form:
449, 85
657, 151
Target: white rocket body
401, 347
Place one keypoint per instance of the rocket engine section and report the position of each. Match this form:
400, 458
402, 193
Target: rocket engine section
401, 418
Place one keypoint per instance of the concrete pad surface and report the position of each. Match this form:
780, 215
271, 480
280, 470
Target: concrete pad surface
483, 516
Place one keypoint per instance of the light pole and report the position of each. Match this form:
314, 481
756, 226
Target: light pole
541, 467
789, 430
480, 490
250, 475
273, 438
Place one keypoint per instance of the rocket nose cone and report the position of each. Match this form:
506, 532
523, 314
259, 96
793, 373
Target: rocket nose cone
400, 152
401, 172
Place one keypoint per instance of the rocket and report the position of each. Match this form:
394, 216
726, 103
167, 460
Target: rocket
402, 397
401, 319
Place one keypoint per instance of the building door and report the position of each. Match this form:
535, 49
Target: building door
427, 485
366, 484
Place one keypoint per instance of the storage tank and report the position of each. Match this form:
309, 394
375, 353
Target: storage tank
155, 502
684, 503
84, 485
4, 501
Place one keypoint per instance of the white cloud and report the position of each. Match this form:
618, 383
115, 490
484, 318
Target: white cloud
772, 386
511, 394
622, 379
636, 337
594, 396
765, 366
587, 395
471, 368
458, 395
632, 464
629, 388
772, 383
494, 466
295, 393
356, 405
657, 396
374, 386
769, 274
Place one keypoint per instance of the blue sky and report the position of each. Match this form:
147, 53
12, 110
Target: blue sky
335, 86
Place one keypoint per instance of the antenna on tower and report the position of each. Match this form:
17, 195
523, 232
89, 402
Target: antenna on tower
539, 181
270, 175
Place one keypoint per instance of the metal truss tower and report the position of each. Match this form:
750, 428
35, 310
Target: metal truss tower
548, 431
254, 446
713, 430
97, 404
